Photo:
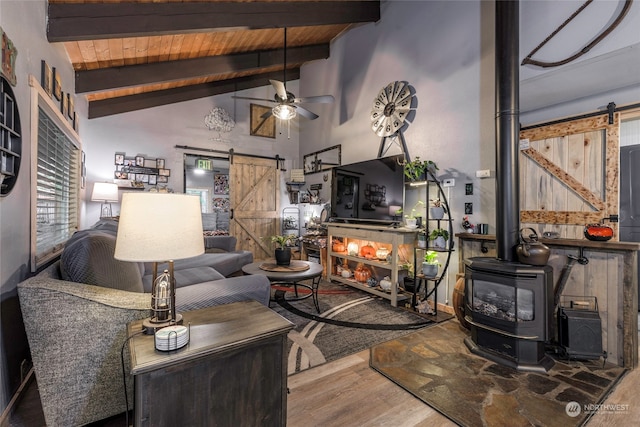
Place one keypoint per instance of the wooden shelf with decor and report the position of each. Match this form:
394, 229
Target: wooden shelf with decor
397, 242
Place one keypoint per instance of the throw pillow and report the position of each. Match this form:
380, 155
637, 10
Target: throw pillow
209, 221
88, 258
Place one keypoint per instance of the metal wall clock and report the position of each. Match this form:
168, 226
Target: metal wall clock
389, 113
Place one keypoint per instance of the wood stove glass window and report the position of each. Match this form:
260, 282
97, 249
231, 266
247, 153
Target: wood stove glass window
502, 302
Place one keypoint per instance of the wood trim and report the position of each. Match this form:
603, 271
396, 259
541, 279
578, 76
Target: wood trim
166, 71
85, 21
107, 107
564, 177
558, 217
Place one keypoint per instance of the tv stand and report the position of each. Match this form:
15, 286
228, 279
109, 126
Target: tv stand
399, 241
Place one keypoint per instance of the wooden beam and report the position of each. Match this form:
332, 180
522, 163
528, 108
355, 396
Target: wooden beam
160, 72
90, 21
124, 104
560, 217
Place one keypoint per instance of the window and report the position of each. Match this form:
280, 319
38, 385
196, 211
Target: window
55, 172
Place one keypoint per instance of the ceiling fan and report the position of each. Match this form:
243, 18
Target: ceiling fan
287, 105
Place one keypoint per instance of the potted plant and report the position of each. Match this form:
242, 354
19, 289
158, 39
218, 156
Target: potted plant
408, 279
466, 225
439, 236
430, 264
437, 209
411, 219
283, 247
416, 170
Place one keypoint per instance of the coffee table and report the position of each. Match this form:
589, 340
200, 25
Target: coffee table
296, 272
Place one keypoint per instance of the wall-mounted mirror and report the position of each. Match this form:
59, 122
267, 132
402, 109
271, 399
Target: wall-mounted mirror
323, 159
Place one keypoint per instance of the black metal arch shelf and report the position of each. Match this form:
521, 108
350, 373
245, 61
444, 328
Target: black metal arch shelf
431, 185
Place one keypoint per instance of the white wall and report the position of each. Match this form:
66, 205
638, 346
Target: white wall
445, 51
155, 132
24, 24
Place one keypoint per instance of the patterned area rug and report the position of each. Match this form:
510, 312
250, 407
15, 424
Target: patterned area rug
436, 367
349, 321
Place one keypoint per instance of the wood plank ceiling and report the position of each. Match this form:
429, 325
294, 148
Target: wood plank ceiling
136, 54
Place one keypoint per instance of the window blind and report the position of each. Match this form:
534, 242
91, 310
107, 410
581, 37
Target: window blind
57, 188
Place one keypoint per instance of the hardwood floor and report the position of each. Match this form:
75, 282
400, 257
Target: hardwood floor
347, 392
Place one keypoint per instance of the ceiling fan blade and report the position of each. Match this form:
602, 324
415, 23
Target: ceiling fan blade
306, 113
327, 99
252, 99
281, 91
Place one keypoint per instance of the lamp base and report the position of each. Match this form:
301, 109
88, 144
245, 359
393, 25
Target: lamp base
151, 324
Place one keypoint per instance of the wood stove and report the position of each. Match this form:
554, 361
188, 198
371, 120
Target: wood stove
509, 307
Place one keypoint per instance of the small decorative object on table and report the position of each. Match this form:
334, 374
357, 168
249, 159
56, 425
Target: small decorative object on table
466, 225
283, 250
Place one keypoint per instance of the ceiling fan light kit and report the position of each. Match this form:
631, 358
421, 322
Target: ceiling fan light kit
284, 111
287, 105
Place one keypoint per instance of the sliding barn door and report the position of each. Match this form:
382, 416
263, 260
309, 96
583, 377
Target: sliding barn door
255, 201
569, 175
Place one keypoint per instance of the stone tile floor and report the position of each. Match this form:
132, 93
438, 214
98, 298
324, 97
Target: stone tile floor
435, 366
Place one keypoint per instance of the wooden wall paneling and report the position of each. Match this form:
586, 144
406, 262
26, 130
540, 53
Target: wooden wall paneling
585, 168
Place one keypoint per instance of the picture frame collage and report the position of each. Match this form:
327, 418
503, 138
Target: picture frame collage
51, 82
139, 171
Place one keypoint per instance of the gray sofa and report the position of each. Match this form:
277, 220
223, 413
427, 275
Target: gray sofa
76, 330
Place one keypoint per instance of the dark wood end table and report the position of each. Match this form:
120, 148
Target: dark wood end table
233, 371
293, 277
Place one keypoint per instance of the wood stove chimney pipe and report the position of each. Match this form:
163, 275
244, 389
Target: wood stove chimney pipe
507, 128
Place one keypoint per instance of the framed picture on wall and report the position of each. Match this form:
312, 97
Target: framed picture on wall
153, 179
259, 124
220, 184
119, 159
162, 179
46, 78
57, 85
160, 163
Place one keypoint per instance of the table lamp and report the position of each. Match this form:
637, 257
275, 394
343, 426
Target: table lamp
160, 228
105, 192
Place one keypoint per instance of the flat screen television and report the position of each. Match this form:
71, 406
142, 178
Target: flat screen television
366, 191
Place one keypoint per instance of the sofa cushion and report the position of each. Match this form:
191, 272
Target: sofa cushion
209, 221
88, 258
242, 288
224, 263
184, 277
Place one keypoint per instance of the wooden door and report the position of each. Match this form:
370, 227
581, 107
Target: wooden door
255, 202
569, 175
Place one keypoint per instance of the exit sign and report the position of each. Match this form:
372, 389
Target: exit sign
206, 164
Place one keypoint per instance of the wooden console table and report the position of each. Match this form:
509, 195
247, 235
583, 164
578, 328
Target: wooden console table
232, 372
611, 275
399, 241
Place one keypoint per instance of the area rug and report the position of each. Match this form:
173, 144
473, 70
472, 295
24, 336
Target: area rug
349, 321
436, 367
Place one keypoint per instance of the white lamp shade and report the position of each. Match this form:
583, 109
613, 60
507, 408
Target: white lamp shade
104, 192
157, 227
